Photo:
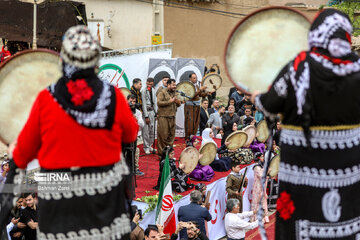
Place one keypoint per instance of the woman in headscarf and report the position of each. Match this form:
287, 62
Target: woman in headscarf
220, 164
201, 173
77, 126
4, 171
320, 139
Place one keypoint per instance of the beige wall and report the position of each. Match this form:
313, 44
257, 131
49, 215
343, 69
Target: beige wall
131, 22
307, 2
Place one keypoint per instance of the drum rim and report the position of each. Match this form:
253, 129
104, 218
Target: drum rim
237, 131
28, 51
240, 23
181, 154
208, 143
211, 74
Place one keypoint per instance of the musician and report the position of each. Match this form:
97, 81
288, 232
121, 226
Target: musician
233, 183
192, 107
167, 105
319, 137
77, 125
149, 109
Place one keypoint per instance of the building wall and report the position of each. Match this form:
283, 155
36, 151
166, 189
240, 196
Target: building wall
130, 21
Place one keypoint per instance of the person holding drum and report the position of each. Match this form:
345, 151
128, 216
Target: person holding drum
228, 121
220, 164
320, 138
76, 127
192, 107
201, 173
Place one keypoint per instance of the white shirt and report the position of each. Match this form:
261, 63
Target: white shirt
235, 224
140, 121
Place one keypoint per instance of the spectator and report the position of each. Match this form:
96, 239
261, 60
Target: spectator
231, 91
149, 109
215, 107
228, 121
138, 116
246, 105
135, 90
192, 230
137, 233
277, 133
215, 120
258, 115
154, 232
246, 116
4, 171
204, 114
194, 212
13, 232
29, 217
238, 96
231, 102
235, 225
5, 53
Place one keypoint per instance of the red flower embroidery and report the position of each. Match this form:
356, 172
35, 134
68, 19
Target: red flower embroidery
285, 206
80, 91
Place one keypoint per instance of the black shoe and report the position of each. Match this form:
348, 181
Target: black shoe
156, 188
139, 173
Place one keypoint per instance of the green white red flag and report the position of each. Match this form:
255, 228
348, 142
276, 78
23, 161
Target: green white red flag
165, 214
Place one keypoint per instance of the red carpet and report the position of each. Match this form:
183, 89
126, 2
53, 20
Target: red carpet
270, 230
149, 164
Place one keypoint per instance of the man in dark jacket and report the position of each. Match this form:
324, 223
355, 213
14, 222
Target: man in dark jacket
228, 121
194, 212
204, 114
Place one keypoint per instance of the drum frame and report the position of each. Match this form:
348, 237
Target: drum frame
235, 29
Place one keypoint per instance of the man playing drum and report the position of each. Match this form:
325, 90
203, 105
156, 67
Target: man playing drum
192, 108
320, 139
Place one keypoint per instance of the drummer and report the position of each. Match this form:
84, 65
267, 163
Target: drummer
220, 164
201, 173
228, 121
192, 107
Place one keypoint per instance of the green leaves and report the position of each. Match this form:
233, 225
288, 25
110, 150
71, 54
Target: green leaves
352, 9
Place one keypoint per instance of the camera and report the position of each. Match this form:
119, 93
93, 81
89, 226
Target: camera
134, 209
133, 107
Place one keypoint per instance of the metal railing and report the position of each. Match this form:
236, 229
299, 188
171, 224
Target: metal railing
136, 50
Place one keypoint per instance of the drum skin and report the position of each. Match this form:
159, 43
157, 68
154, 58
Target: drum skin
208, 150
262, 131
22, 77
261, 44
187, 88
237, 140
189, 157
274, 166
212, 82
251, 132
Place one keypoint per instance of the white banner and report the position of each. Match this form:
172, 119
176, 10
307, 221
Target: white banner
218, 198
121, 70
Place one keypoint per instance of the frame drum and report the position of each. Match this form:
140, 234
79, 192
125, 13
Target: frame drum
237, 139
187, 88
251, 132
209, 153
189, 157
261, 44
22, 77
274, 166
212, 82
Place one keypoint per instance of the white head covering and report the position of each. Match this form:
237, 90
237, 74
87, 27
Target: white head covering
206, 136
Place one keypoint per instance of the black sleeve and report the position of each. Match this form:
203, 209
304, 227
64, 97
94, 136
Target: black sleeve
208, 215
222, 149
174, 236
25, 217
273, 101
202, 236
133, 226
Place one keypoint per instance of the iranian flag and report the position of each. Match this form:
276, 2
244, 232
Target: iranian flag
165, 214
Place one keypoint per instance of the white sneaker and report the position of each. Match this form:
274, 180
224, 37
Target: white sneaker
151, 149
147, 152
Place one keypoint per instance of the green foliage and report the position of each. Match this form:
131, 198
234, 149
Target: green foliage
152, 201
352, 9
